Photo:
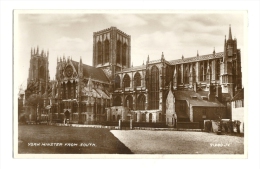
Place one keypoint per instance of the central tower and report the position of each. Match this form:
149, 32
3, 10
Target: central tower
111, 50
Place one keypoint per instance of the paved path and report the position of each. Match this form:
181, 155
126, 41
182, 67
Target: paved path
179, 142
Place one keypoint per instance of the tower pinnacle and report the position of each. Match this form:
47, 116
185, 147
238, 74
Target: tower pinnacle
230, 33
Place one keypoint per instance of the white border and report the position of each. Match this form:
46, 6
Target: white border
6, 87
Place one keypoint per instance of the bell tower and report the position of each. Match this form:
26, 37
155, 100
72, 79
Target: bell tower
38, 76
111, 50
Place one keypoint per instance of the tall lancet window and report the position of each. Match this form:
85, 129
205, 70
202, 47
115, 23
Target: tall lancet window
99, 52
168, 77
186, 75
141, 102
154, 99
205, 71
137, 79
126, 81
124, 55
193, 74
106, 51
117, 81
201, 72
179, 75
118, 52
217, 69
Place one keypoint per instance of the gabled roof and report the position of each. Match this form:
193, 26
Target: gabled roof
92, 72
239, 95
198, 101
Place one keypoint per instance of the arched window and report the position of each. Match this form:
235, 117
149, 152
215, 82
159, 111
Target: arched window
135, 116
124, 55
186, 75
117, 101
179, 75
41, 72
205, 71
118, 51
193, 74
126, 81
117, 81
99, 47
68, 90
150, 117
106, 51
118, 117
143, 117
154, 99
141, 102
114, 118
168, 76
137, 79
217, 69
129, 102
201, 73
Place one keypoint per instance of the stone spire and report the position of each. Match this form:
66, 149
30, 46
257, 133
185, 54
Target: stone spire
225, 50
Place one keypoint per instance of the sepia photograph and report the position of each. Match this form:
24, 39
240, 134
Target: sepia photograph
129, 82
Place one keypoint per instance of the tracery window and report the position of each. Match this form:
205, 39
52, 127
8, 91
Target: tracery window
154, 99
179, 75
129, 102
118, 51
106, 51
168, 76
117, 81
99, 46
186, 75
117, 101
126, 81
143, 117
201, 73
137, 79
205, 71
193, 74
218, 69
124, 54
141, 102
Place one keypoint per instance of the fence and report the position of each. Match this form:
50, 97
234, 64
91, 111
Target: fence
188, 125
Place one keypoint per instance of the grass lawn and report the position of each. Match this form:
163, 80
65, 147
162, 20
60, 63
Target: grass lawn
37, 139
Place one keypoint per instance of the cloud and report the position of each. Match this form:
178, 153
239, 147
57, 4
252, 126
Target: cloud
63, 20
153, 45
71, 46
125, 20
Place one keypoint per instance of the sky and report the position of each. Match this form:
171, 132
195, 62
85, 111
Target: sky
173, 33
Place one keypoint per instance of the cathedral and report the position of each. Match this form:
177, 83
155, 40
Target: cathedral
170, 92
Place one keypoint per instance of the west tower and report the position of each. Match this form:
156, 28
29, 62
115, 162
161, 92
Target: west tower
38, 76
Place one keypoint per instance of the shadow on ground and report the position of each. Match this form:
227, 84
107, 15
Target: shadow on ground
44, 139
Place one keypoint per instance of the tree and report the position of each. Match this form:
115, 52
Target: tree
35, 101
